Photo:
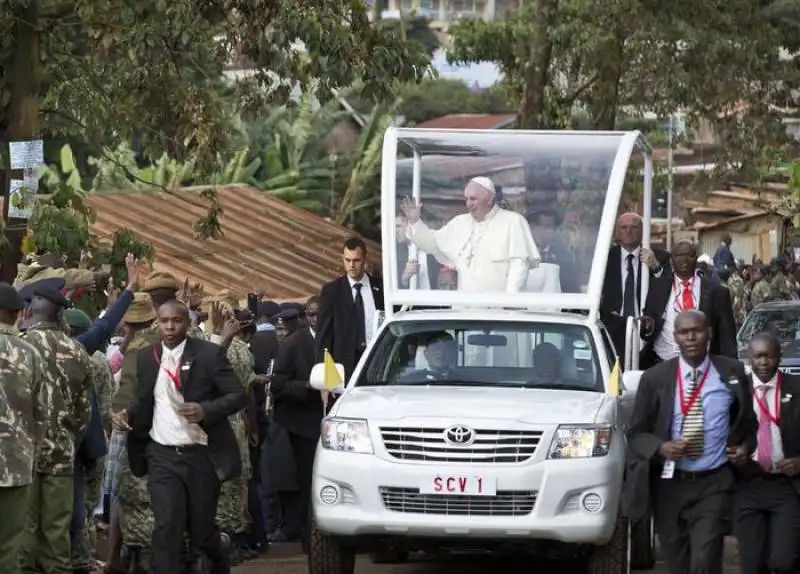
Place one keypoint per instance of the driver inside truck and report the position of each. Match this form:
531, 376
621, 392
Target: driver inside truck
440, 355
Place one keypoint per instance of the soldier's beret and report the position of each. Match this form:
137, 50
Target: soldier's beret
52, 295
77, 319
160, 280
10, 299
268, 309
54, 283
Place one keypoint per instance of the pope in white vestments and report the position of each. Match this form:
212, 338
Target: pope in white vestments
492, 248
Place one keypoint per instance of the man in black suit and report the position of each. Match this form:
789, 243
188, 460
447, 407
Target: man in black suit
691, 416
766, 504
622, 288
347, 309
679, 289
426, 268
179, 437
298, 409
544, 226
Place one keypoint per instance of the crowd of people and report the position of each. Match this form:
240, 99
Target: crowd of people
185, 424
127, 423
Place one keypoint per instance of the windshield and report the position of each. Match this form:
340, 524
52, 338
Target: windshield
784, 323
484, 353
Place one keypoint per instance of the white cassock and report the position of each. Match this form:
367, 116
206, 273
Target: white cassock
494, 254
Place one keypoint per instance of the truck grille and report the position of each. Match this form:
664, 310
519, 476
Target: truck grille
504, 503
489, 446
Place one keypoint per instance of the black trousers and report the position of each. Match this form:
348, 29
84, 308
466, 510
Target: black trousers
690, 515
258, 530
296, 504
767, 524
184, 490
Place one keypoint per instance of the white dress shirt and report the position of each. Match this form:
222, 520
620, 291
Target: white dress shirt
169, 428
369, 304
769, 399
665, 346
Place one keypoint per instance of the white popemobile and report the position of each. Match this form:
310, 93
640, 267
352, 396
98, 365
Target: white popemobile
487, 420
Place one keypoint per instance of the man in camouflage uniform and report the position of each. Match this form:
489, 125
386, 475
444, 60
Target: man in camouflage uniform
781, 288
761, 291
740, 299
23, 421
232, 508
68, 384
103, 383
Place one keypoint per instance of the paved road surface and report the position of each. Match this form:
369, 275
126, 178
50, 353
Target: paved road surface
286, 559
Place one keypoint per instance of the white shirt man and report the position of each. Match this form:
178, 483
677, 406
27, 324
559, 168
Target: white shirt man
665, 346
491, 248
169, 428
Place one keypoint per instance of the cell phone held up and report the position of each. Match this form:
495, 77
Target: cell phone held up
252, 303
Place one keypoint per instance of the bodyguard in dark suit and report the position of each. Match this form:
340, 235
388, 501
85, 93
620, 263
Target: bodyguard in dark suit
767, 500
544, 225
180, 438
622, 287
298, 408
679, 289
347, 309
692, 414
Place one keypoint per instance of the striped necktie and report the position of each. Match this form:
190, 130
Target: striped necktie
693, 430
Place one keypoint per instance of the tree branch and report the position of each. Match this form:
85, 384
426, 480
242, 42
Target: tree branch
580, 90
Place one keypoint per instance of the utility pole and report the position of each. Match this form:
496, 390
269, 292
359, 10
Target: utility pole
24, 73
669, 183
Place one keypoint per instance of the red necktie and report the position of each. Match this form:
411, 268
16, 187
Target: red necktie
687, 301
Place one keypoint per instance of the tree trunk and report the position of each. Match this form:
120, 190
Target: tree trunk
23, 118
533, 103
605, 93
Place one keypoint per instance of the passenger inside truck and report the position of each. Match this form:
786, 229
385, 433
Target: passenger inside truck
468, 353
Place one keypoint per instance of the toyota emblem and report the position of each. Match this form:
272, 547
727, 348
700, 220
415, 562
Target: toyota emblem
459, 435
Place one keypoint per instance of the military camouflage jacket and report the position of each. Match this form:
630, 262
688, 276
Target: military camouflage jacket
242, 361
103, 382
67, 390
23, 410
761, 292
127, 379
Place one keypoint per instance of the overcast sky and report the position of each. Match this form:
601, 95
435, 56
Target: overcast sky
485, 73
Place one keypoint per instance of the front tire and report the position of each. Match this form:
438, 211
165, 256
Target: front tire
327, 554
614, 557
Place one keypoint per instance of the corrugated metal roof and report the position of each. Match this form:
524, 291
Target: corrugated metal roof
469, 122
267, 244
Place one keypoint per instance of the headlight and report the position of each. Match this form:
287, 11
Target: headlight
348, 435
580, 441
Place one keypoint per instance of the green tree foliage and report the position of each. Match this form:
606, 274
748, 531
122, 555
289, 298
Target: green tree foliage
416, 29
438, 97
148, 71
718, 60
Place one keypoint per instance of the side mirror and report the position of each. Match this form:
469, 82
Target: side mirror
630, 381
317, 378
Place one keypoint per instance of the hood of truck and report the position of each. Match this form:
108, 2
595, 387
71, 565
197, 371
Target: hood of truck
532, 406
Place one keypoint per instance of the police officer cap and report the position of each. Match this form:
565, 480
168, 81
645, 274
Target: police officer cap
268, 308
10, 299
52, 295
299, 307
287, 315
55, 283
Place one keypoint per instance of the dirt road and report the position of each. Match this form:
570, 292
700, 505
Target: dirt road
287, 559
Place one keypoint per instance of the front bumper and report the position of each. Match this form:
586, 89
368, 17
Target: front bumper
538, 500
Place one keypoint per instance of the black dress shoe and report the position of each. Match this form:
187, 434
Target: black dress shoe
223, 564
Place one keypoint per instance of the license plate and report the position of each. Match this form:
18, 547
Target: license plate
463, 484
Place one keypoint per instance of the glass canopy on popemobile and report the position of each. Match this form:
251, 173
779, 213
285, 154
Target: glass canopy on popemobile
505, 218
